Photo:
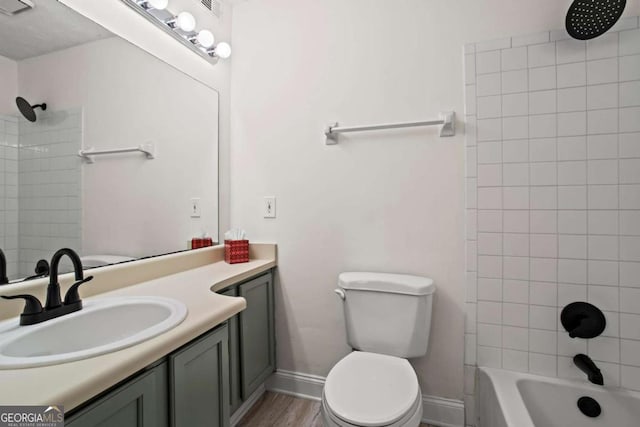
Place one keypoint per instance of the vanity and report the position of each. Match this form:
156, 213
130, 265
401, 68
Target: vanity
197, 373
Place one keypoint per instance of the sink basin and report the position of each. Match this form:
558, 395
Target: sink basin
104, 325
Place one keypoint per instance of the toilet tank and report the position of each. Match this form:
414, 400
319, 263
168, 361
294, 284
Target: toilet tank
387, 313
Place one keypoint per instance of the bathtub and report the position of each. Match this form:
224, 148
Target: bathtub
513, 399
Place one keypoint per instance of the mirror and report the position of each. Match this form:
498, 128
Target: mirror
102, 94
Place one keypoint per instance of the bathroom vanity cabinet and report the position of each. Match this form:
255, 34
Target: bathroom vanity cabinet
203, 382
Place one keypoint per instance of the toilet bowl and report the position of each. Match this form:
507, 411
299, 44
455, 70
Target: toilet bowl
388, 319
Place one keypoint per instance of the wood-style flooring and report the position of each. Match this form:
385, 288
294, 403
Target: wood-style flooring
280, 410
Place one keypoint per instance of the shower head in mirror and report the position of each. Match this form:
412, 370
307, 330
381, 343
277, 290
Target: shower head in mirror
28, 110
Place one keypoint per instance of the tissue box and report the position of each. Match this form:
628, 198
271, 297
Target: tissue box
236, 251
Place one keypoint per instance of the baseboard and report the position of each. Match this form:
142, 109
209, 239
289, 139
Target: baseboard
247, 405
437, 411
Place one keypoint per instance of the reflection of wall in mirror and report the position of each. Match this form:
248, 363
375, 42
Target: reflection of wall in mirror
134, 206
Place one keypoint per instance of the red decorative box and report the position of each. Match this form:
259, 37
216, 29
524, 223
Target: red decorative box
236, 251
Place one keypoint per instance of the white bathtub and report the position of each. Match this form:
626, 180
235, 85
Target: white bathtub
512, 399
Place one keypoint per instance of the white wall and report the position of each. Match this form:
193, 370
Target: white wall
133, 206
9, 79
389, 201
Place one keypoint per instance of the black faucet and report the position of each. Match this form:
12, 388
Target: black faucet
54, 307
3, 269
586, 365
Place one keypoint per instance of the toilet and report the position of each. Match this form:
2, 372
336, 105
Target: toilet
388, 320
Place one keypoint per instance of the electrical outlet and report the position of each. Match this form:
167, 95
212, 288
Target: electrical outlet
270, 207
195, 208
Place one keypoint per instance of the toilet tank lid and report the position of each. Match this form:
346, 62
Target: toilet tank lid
387, 282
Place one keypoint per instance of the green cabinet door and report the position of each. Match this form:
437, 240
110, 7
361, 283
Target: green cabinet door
257, 337
141, 402
199, 376
235, 398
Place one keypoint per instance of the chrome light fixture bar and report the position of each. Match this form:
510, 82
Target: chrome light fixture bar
181, 27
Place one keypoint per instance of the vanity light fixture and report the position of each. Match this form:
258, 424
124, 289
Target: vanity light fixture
182, 27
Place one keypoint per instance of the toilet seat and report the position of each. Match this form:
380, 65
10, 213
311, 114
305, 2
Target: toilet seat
372, 390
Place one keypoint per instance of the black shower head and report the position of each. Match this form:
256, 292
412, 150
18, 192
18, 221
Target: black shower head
588, 19
28, 110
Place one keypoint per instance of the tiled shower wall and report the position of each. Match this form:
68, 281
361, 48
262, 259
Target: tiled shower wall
49, 186
9, 192
553, 202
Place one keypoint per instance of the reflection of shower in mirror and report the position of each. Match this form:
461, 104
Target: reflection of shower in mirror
28, 110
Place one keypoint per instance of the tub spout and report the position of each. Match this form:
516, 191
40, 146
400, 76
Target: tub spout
586, 365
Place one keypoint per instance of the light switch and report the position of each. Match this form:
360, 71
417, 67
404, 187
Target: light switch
195, 208
269, 207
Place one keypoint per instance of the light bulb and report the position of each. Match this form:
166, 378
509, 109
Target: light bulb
222, 50
158, 4
186, 22
205, 38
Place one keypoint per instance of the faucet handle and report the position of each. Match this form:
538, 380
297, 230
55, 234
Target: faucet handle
72, 296
32, 305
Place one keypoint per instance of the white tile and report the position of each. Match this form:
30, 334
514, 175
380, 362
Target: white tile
515, 198
602, 71
489, 266
541, 55
612, 328
515, 338
543, 221
630, 377
543, 269
514, 59
543, 173
542, 78
490, 221
603, 272
603, 171
489, 335
570, 51
530, 39
515, 151
471, 129
516, 268
489, 289
572, 197
568, 293
567, 368
603, 197
629, 42
604, 297
572, 75
630, 249
542, 318
603, 247
515, 104
489, 130
602, 96
572, 148
544, 245
515, 81
488, 84
516, 244
515, 315
630, 223
630, 196
572, 99
628, 23
543, 341
629, 145
572, 173
489, 107
542, 364
488, 62
489, 243
604, 349
515, 360
630, 326
629, 119
471, 286
471, 162
489, 175
629, 68
515, 127
543, 293
516, 221
493, 45
603, 222
572, 246
602, 121
515, 174
630, 352
605, 46
602, 146
489, 152
490, 357
469, 48
542, 150
470, 349
630, 171
543, 102
516, 291
544, 198
543, 126
469, 69
469, 379
572, 271
471, 254
630, 300
629, 94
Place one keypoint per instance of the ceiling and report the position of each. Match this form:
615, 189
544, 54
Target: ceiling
48, 27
